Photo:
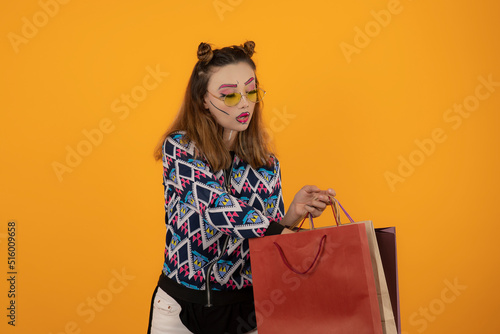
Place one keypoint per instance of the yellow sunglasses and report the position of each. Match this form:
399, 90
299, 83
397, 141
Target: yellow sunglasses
233, 99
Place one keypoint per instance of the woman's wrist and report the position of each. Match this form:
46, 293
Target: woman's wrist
290, 218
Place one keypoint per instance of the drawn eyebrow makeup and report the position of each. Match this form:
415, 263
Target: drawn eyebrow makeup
249, 81
228, 85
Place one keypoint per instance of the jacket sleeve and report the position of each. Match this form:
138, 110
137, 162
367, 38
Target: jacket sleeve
273, 204
191, 187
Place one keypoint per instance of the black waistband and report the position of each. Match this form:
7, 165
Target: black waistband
179, 291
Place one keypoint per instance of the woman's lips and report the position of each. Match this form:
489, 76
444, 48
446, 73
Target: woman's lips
243, 117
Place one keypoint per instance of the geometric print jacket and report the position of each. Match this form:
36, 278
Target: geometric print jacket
207, 225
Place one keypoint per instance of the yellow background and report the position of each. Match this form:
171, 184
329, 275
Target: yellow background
348, 121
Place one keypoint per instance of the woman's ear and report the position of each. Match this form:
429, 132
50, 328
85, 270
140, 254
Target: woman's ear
205, 101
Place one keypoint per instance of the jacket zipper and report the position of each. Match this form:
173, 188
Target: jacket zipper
207, 286
209, 271
227, 176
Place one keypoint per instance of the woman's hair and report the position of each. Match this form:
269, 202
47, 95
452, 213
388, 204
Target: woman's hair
200, 126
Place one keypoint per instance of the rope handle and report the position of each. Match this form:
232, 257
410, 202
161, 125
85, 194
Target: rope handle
311, 223
316, 258
334, 205
345, 212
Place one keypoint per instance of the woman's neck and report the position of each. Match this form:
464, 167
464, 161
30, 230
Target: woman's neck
229, 138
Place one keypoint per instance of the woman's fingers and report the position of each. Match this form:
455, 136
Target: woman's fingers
311, 189
316, 208
319, 203
311, 199
315, 212
329, 192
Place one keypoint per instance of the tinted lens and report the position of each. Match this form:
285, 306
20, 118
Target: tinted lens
232, 99
253, 96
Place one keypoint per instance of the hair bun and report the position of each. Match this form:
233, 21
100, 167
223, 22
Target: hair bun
205, 53
249, 47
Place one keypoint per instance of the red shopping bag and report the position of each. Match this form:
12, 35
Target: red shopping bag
384, 254
316, 281
387, 314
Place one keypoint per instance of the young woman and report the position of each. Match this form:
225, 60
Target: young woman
222, 186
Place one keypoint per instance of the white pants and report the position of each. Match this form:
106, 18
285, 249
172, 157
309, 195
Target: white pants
166, 316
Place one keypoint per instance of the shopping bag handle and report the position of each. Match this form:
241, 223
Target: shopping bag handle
316, 258
311, 223
334, 205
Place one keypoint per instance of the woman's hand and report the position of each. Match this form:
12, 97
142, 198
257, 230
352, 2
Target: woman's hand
309, 199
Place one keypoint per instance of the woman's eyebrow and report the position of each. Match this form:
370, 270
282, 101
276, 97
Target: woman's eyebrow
228, 85
249, 81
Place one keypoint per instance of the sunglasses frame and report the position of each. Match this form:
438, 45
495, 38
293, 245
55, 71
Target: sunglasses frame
223, 99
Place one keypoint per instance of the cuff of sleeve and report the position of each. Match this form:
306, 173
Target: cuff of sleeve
274, 228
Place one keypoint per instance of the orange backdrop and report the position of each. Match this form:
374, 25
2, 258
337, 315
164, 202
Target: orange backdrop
392, 103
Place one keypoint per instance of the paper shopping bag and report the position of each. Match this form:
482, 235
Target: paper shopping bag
384, 299
386, 239
385, 303
317, 281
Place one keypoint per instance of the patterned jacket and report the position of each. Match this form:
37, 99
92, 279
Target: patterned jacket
202, 217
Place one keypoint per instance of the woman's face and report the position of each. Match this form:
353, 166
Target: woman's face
226, 80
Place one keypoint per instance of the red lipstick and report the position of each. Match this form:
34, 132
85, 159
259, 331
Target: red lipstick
243, 117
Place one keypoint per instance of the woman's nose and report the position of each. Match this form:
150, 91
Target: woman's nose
244, 101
